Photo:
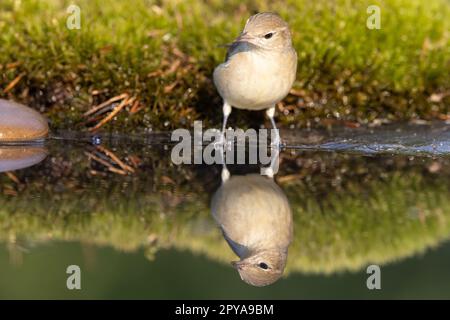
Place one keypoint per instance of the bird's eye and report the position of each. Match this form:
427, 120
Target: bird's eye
264, 266
268, 35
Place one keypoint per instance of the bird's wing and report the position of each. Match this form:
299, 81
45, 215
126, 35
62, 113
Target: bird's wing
237, 248
238, 46
233, 48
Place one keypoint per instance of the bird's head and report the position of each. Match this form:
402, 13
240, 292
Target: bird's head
267, 31
262, 268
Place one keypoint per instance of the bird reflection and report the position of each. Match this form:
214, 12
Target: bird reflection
20, 157
256, 221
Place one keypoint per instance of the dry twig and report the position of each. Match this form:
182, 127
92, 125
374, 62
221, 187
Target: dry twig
105, 163
116, 159
126, 101
105, 104
13, 83
13, 177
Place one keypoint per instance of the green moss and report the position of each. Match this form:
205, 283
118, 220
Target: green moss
346, 71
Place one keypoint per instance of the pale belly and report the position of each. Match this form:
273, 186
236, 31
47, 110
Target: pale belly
252, 210
255, 82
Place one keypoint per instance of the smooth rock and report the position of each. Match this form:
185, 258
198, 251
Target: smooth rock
20, 123
19, 157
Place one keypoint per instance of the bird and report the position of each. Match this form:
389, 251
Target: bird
259, 69
255, 218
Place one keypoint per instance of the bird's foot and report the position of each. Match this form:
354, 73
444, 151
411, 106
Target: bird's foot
225, 175
276, 143
267, 171
222, 143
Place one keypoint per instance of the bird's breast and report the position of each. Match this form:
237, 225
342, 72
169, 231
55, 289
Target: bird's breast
254, 80
253, 212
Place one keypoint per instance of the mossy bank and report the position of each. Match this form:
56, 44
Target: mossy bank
162, 54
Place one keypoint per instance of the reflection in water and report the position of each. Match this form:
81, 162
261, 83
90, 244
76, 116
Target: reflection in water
19, 157
352, 210
256, 221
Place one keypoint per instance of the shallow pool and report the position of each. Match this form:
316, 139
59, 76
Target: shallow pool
140, 226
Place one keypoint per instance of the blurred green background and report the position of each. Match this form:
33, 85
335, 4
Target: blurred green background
108, 274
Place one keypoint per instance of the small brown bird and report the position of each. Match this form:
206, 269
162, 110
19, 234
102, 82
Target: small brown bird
256, 221
260, 67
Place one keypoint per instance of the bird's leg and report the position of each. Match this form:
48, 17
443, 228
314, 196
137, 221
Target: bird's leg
226, 112
271, 113
272, 169
220, 144
225, 173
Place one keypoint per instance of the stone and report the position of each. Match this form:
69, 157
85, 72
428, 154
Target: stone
20, 157
20, 123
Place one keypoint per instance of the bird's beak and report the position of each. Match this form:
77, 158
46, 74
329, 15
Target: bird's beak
245, 37
236, 264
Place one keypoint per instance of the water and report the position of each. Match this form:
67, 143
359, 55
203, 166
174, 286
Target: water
140, 226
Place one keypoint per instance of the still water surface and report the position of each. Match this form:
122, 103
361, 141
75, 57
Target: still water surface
141, 227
